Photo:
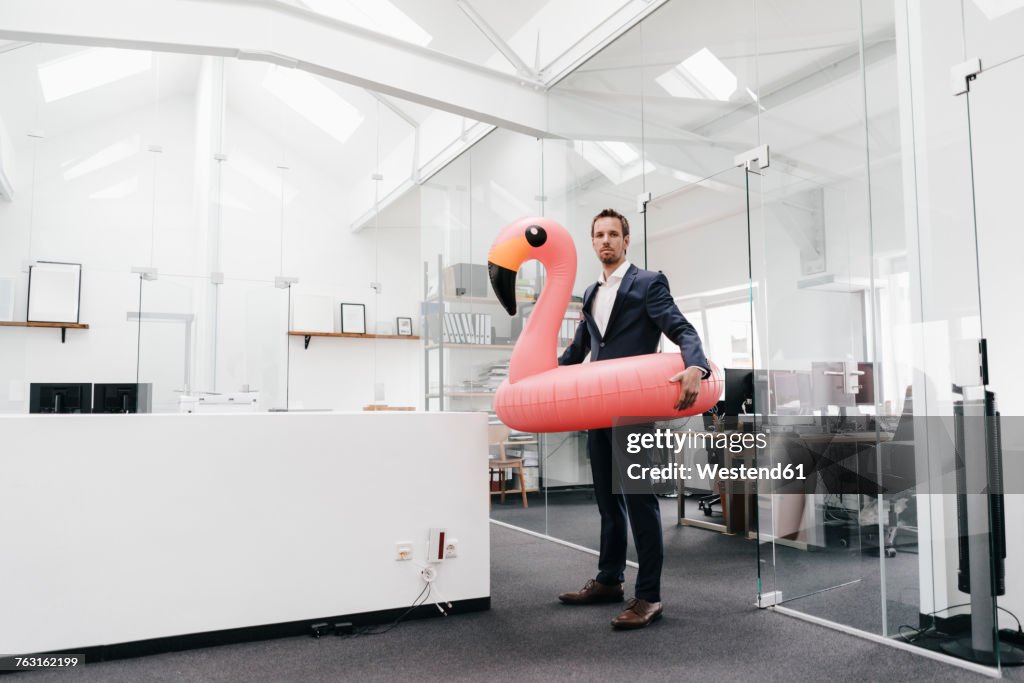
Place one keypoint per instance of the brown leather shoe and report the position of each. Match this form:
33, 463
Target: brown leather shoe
640, 613
593, 592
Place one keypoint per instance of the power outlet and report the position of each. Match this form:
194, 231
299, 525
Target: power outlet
403, 551
451, 548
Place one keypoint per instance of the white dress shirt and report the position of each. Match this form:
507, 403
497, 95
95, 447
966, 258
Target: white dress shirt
604, 300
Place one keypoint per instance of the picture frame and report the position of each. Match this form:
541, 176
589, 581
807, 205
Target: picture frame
54, 292
353, 319
404, 326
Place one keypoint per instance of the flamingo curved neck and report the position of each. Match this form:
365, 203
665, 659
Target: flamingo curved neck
537, 348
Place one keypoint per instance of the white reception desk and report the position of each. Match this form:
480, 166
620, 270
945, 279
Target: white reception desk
123, 528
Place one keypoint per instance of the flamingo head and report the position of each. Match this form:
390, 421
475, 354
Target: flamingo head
525, 239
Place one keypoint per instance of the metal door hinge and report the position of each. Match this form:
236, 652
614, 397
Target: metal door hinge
753, 159
961, 75
641, 201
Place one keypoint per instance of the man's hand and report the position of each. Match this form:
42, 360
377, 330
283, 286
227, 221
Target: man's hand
689, 386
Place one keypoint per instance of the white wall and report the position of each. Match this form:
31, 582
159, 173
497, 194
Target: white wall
121, 529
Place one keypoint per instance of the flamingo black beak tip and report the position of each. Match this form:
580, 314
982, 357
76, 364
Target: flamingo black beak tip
503, 282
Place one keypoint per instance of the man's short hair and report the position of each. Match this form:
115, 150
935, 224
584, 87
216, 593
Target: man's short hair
611, 213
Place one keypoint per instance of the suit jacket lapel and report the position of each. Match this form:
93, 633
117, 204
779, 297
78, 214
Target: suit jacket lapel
588, 302
627, 282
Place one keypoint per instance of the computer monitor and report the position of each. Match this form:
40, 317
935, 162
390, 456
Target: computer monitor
739, 391
64, 397
122, 398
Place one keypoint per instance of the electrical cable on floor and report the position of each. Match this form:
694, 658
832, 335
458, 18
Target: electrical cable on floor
933, 632
369, 630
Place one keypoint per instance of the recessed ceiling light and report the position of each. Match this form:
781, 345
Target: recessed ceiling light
701, 76
314, 101
88, 69
377, 15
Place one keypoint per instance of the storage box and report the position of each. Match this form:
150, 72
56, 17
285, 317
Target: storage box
466, 279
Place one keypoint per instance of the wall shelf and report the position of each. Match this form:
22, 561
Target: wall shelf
450, 345
309, 335
64, 327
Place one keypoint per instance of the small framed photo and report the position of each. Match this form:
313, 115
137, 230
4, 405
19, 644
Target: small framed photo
54, 292
353, 319
404, 327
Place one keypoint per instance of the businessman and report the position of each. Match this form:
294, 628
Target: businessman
624, 314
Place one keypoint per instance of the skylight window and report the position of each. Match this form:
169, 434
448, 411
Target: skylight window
620, 151
314, 101
702, 76
119, 151
376, 15
88, 69
617, 161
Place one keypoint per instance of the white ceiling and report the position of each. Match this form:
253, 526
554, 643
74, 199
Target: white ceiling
801, 56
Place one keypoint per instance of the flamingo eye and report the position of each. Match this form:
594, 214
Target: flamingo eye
536, 235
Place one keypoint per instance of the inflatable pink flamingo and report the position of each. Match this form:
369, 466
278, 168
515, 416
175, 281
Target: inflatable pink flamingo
541, 396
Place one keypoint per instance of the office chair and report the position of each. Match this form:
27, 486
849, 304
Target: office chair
706, 503
897, 479
497, 436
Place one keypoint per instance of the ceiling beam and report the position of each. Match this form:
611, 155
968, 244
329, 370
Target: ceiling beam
269, 31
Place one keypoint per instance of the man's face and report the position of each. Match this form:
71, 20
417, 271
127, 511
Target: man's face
609, 242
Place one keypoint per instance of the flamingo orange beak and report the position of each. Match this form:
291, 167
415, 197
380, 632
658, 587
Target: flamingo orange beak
503, 265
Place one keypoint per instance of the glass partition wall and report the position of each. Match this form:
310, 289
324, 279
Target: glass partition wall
774, 169
218, 214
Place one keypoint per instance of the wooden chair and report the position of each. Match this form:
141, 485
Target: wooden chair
498, 436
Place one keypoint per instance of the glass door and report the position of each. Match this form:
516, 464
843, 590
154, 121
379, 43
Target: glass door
812, 286
996, 596
697, 234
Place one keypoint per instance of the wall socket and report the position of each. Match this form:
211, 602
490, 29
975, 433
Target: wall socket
451, 548
403, 551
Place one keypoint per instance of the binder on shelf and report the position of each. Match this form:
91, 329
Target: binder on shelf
461, 320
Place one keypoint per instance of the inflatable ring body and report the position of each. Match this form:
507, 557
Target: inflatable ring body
541, 396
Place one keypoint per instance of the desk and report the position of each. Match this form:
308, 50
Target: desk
738, 499
799, 520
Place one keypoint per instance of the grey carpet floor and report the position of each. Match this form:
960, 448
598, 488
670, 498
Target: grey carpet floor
710, 632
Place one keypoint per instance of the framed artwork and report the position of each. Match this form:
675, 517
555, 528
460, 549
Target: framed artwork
54, 292
353, 318
404, 327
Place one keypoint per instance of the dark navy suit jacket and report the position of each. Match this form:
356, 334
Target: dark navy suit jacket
643, 309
